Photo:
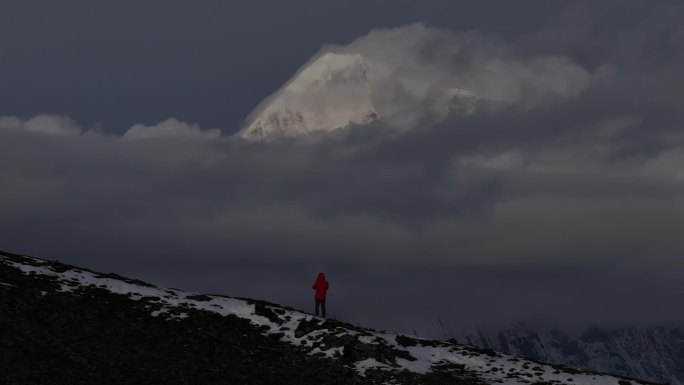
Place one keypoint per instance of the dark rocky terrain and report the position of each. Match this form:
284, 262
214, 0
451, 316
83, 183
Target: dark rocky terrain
97, 337
65, 325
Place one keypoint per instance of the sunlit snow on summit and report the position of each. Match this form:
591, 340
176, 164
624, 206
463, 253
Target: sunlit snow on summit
407, 77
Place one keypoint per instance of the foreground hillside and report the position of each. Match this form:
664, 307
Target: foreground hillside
65, 325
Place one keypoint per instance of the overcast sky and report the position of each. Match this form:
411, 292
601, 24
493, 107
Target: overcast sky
116, 154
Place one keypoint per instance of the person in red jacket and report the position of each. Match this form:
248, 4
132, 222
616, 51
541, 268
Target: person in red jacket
321, 287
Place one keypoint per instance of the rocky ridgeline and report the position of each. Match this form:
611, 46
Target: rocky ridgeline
65, 325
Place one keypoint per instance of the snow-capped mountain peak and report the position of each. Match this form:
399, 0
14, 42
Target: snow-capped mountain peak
331, 69
332, 92
340, 89
410, 78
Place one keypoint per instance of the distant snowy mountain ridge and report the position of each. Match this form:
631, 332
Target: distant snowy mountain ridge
653, 353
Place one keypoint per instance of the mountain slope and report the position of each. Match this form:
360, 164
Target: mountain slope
653, 353
65, 325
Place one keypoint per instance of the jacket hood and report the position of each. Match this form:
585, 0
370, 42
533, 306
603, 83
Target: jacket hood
321, 277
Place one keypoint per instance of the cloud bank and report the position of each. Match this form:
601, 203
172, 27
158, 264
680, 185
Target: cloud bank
170, 128
567, 202
426, 58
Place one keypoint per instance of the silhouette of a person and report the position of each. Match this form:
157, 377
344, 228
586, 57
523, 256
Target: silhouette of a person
321, 286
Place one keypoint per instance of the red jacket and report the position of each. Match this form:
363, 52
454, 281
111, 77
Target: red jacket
321, 286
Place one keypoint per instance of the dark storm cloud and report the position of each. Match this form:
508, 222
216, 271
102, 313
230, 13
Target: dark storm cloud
129, 62
506, 213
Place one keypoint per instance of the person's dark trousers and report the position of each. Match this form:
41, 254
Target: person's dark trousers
321, 305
